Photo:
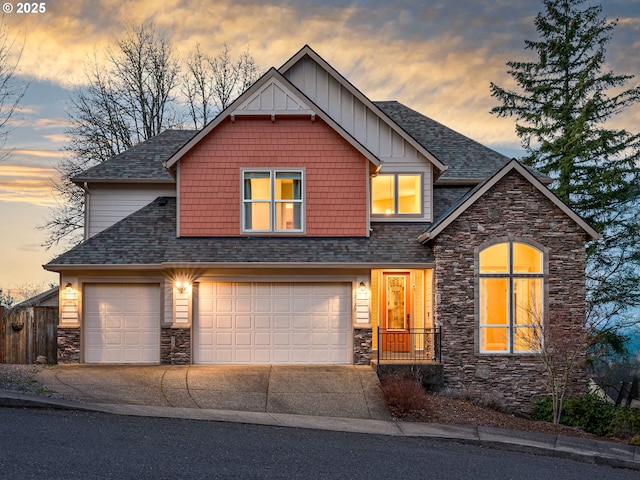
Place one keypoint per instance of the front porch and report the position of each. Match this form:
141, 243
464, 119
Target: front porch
414, 351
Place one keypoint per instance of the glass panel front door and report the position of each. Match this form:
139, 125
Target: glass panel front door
395, 325
396, 303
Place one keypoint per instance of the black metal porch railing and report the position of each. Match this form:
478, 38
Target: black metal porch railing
411, 346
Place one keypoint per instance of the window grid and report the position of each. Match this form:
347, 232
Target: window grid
512, 323
277, 203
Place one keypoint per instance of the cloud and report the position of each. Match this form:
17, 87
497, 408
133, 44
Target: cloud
39, 153
30, 247
56, 138
437, 57
50, 123
27, 184
22, 110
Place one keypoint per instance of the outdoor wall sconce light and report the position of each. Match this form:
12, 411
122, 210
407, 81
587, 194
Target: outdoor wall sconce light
182, 287
68, 287
362, 287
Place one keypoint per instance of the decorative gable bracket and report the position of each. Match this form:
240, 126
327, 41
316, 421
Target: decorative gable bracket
273, 98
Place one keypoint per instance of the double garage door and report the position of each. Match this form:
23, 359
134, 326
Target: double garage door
254, 323
233, 323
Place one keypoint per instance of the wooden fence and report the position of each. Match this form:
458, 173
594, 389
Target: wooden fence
27, 334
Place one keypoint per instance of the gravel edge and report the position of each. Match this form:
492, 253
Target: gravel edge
21, 378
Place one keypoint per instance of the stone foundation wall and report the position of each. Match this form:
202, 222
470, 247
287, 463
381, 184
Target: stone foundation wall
513, 210
68, 345
175, 346
362, 352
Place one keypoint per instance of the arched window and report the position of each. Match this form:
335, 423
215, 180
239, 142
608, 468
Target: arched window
511, 298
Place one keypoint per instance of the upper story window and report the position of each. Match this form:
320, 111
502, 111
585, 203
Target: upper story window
272, 201
511, 298
396, 194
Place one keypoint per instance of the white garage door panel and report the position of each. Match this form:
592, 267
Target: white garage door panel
122, 323
273, 323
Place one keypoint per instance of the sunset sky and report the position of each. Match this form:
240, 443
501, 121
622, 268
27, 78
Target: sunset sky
435, 56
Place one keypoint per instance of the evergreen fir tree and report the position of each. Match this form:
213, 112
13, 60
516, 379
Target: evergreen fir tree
563, 105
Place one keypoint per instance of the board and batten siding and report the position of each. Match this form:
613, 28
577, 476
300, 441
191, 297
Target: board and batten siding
108, 205
396, 154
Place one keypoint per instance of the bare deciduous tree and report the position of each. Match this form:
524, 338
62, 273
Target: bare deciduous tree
561, 344
212, 83
6, 300
127, 102
11, 89
12, 297
132, 100
145, 74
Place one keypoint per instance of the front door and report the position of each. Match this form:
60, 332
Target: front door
396, 321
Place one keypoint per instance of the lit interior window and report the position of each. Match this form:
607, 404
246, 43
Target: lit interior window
396, 194
272, 201
511, 302
409, 194
288, 200
495, 259
257, 196
526, 259
383, 194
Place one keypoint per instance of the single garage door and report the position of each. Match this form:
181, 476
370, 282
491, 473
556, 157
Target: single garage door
254, 323
122, 323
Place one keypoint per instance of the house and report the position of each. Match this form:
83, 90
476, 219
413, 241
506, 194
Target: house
307, 224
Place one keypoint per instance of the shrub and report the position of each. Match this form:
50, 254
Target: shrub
626, 423
404, 396
542, 409
592, 413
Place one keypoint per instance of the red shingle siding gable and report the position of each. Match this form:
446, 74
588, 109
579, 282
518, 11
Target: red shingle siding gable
336, 175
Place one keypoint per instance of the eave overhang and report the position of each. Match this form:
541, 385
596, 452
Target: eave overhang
137, 181
169, 266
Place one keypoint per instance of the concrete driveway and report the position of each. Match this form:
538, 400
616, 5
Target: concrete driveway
332, 391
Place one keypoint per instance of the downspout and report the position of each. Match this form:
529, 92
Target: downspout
87, 200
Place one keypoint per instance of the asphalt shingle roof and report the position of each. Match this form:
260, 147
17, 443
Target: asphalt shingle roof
148, 237
465, 157
142, 161
446, 196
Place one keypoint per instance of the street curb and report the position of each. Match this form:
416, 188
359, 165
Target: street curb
583, 450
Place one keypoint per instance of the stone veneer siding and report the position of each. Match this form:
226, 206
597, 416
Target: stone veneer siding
175, 346
513, 209
68, 345
362, 352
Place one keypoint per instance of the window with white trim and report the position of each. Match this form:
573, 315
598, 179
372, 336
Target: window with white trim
396, 194
511, 298
272, 201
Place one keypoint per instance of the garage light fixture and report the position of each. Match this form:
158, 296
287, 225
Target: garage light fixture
362, 286
68, 287
182, 286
